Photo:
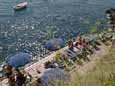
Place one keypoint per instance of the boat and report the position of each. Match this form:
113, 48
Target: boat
20, 6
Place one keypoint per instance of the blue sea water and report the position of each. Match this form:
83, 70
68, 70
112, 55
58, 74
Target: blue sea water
29, 29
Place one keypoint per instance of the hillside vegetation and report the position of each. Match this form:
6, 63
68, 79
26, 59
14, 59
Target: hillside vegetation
103, 74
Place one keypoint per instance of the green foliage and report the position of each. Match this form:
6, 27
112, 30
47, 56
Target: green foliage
86, 22
50, 31
113, 80
93, 29
33, 84
58, 57
103, 74
79, 62
91, 26
98, 22
66, 66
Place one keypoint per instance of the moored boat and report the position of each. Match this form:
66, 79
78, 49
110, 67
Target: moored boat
20, 6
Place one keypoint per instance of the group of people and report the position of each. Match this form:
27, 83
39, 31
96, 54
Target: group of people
15, 77
80, 43
111, 16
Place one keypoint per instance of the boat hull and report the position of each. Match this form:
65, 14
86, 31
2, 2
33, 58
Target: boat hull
20, 6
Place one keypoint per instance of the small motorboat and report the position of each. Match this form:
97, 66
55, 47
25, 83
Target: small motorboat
20, 6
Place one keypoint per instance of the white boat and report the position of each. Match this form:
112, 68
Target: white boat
20, 6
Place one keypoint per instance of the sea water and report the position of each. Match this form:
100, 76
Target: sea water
29, 29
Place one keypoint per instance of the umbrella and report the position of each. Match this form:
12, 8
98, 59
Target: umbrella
54, 44
19, 59
51, 75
